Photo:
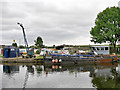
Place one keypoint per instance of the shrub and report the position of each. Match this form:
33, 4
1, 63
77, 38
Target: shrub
37, 52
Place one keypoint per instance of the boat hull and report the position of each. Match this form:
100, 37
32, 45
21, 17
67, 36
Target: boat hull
79, 59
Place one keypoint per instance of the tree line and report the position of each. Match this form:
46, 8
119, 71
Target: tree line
38, 44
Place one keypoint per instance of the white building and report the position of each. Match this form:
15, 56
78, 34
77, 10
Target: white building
105, 50
0, 50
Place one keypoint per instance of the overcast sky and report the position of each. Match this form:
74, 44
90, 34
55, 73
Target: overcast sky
56, 21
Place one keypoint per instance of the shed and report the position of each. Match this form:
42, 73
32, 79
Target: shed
10, 52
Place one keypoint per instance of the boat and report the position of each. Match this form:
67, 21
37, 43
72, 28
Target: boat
106, 58
59, 58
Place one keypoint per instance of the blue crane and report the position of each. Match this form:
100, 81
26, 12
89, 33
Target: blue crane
30, 53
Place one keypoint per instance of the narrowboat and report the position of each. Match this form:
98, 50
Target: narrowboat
60, 58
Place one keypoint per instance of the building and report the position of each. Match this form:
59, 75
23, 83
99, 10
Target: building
1, 49
10, 52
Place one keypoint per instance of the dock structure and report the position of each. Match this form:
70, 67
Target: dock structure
58, 59
20, 60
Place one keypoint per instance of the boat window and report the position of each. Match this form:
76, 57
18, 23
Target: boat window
106, 48
98, 48
93, 48
102, 48
118, 49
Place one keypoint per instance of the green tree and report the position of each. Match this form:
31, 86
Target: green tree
21, 46
14, 44
107, 27
33, 46
39, 42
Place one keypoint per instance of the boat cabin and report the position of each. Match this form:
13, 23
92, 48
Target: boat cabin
104, 50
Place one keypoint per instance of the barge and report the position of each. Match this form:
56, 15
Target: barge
60, 58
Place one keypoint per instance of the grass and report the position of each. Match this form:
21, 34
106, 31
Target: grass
1, 55
40, 57
37, 57
119, 56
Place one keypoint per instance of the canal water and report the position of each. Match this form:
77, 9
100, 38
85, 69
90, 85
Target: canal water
104, 75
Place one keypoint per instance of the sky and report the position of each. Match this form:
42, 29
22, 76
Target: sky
56, 21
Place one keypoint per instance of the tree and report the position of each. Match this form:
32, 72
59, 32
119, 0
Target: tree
39, 42
21, 46
14, 44
107, 27
33, 46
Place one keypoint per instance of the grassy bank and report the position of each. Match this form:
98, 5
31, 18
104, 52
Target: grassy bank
39, 57
1, 55
22, 60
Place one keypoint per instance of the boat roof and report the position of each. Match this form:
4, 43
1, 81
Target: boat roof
99, 46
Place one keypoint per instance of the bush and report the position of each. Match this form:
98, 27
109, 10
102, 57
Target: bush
21, 46
37, 52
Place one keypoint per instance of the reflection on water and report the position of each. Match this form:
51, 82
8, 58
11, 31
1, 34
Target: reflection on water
10, 69
106, 75
1, 70
107, 78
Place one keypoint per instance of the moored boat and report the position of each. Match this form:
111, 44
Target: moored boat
106, 58
59, 58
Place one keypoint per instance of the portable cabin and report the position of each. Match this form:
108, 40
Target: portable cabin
104, 50
10, 52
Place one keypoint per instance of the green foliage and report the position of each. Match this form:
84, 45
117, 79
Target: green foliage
21, 46
40, 57
37, 52
43, 46
14, 44
1, 55
107, 82
107, 26
39, 42
33, 46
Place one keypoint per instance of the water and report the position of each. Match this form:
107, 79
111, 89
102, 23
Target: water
104, 75
1, 70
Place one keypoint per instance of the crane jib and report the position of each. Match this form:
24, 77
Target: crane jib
30, 53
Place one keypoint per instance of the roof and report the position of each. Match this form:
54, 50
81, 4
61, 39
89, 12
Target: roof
9, 47
99, 46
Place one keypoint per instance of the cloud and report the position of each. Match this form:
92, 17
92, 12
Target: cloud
56, 21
